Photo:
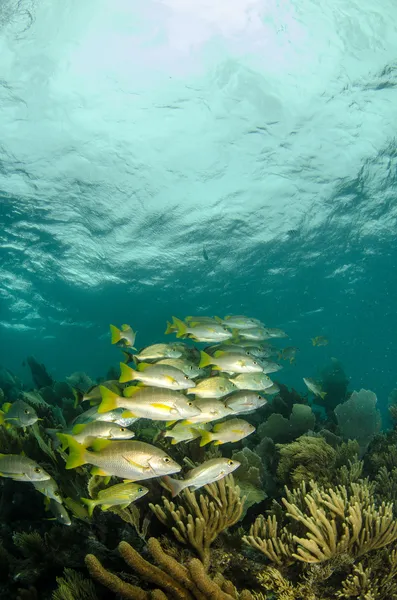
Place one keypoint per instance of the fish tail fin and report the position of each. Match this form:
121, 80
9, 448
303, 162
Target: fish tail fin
76, 456
292, 360
109, 400
127, 373
181, 327
91, 504
205, 359
174, 485
170, 328
78, 397
115, 333
218, 319
314, 341
323, 394
128, 357
65, 440
206, 436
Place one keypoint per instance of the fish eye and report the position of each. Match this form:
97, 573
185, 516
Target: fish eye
230, 463
186, 377
259, 397
255, 363
122, 428
140, 490
167, 459
26, 411
190, 403
56, 493
37, 470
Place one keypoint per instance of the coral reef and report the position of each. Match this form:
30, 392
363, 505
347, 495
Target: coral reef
358, 418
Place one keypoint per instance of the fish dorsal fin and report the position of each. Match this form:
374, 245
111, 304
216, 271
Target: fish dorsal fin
79, 427
6, 406
100, 444
131, 390
217, 427
142, 366
219, 353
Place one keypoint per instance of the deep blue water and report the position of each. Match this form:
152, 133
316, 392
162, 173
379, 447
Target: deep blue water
176, 158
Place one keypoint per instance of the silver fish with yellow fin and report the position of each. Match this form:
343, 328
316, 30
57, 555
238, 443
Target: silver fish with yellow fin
123, 337
49, 488
208, 472
232, 430
130, 460
21, 468
18, 414
244, 401
156, 375
121, 494
213, 387
230, 362
86, 434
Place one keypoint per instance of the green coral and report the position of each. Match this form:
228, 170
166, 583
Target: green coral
305, 459
280, 429
73, 586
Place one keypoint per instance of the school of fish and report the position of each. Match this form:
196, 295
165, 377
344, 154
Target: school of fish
197, 393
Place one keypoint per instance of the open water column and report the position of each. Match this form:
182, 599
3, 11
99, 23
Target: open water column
216, 180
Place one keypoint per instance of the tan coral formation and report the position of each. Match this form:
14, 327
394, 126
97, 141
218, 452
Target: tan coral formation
174, 580
332, 521
198, 521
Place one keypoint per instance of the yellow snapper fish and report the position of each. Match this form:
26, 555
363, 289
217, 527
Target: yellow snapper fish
21, 468
59, 511
255, 333
230, 363
201, 332
251, 381
158, 351
156, 375
124, 337
213, 387
158, 404
18, 414
228, 348
118, 416
93, 395
232, 430
288, 353
258, 350
314, 387
187, 367
244, 401
239, 322
208, 472
183, 433
275, 332
48, 488
121, 494
130, 460
85, 434
210, 409
78, 509
320, 340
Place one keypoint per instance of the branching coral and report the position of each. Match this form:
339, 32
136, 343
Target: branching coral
330, 522
198, 521
73, 586
173, 580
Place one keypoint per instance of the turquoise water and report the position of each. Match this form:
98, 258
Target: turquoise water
174, 158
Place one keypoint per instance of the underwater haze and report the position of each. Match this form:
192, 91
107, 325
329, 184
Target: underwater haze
179, 157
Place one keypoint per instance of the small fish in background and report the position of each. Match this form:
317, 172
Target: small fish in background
156, 375
230, 363
158, 351
59, 511
121, 494
257, 334
288, 353
21, 468
85, 434
199, 331
212, 387
314, 387
187, 367
251, 381
208, 472
48, 488
123, 337
210, 409
275, 332
93, 395
183, 433
205, 255
18, 414
232, 430
239, 322
320, 340
244, 401
273, 389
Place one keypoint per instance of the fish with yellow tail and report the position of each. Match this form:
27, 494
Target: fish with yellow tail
208, 472
156, 375
244, 401
93, 395
85, 434
124, 337
320, 340
158, 404
121, 494
49, 488
200, 332
183, 433
314, 387
239, 322
232, 430
230, 362
130, 460
210, 409
212, 387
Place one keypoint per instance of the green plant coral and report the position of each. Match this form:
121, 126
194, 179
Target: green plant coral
305, 459
73, 586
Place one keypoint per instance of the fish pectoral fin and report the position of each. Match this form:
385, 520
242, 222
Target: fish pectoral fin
160, 406
135, 464
170, 379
